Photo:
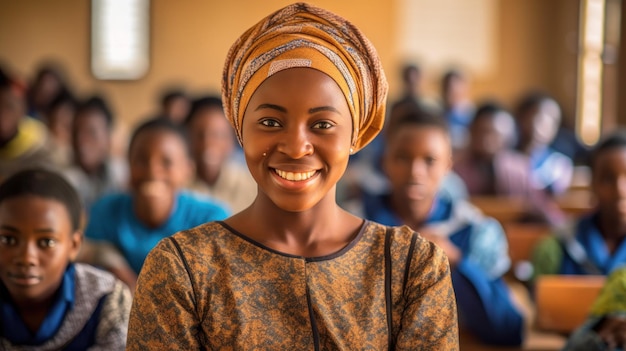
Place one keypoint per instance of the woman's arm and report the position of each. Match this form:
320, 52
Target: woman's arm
163, 314
429, 320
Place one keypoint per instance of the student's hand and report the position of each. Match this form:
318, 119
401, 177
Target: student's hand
453, 253
612, 330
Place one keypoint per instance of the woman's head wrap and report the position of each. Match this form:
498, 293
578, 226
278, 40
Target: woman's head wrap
301, 35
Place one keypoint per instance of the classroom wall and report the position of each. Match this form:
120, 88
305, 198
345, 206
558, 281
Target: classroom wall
535, 45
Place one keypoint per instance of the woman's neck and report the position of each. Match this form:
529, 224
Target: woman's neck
322, 230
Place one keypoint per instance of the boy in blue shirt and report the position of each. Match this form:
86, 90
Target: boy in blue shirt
594, 244
47, 302
417, 157
156, 207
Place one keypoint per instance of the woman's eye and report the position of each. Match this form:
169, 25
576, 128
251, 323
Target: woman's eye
7, 240
270, 123
47, 243
323, 125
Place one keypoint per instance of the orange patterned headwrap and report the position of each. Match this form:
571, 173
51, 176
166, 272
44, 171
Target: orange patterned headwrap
301, 35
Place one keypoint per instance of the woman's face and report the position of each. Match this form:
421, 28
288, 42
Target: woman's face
296, 137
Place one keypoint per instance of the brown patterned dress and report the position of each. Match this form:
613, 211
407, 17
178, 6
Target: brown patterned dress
213, 288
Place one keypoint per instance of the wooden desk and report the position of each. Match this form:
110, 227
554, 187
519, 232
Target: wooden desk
576, 201
563, 301
502, 208
523, 237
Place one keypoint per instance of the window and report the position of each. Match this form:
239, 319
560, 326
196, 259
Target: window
120, 39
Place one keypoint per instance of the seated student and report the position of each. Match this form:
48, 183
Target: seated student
417, 157
365, 174
490, 167
155, 207
94, 171
605, 329
175, 106
24, 141
48, 302
595, 243
538, 117
458, 109
59, 118
212, 143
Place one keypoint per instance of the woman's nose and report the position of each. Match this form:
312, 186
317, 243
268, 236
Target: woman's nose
296, 143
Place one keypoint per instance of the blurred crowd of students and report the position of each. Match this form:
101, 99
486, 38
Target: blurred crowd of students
183, 167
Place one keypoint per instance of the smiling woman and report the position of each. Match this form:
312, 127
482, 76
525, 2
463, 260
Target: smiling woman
303, 90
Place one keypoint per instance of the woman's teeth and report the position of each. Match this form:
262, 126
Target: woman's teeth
294, 176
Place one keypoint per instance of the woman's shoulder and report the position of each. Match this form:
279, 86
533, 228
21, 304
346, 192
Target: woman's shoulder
403, 241
200, 238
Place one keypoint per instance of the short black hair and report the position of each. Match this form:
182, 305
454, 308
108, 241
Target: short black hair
62, 98
529, 101
172, 94
449, 76
9, 82
615, 140
99, 103
407, 69
46, 184
203, 103
419, 117
159, 123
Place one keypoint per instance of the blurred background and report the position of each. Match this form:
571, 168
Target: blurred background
505, 47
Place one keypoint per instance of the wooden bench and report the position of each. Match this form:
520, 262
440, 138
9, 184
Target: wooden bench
502, 208
576, 201
563, 301
522, 238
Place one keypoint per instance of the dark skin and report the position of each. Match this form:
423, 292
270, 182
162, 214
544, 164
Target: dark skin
212, 142
416, 160
159, 167
612, 330
296, 139
12, 109
609, 187
37, 242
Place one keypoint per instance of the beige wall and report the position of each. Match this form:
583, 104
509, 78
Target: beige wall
191, 37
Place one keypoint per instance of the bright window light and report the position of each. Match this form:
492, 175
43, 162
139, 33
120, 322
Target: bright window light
120, 40
590, 71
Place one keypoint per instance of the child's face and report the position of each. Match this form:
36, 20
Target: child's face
36, 244
540, 124
212, 139
490, 134
177, 109
60, 123
416, 160
159, 165
296, 137
609, 183
92, 140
